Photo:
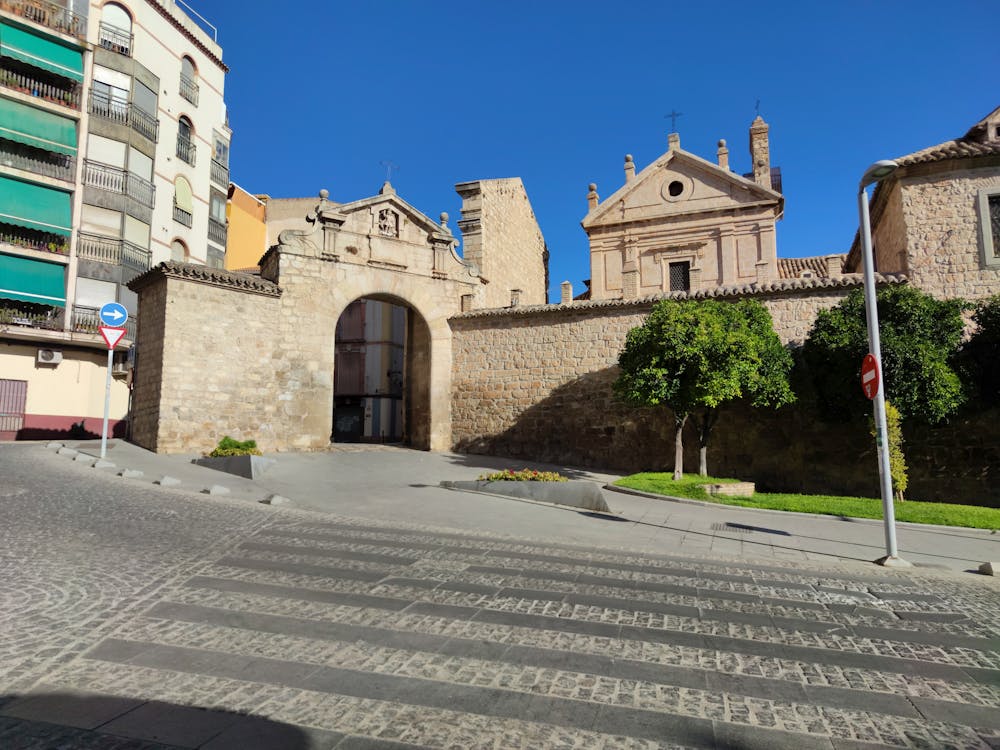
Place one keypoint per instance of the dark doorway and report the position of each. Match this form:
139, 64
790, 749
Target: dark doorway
369, 369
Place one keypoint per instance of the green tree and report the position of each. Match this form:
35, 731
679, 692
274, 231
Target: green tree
981, 354
919, 335
693, 356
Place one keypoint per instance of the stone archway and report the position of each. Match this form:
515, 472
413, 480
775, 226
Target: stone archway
381, 378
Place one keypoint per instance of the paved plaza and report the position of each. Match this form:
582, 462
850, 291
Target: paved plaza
377, 610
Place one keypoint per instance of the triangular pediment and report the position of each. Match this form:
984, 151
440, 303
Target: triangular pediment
393, 202
679, 183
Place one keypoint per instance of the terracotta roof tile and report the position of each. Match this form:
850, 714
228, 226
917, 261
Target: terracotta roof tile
959, 148
793, 268
207, 275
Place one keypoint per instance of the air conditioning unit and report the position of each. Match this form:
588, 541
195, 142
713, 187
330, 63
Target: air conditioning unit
49, 357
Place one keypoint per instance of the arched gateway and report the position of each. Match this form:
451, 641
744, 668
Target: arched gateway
253, 357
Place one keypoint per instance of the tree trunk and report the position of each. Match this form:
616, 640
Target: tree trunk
679, 446
705, 425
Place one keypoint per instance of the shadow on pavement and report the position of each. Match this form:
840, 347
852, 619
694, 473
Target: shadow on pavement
90, 721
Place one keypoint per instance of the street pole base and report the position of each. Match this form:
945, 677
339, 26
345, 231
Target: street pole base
893, 562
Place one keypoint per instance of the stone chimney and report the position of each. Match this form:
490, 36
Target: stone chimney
566, 295
629, 168
723, 153
592, 197
674, 142
760, 152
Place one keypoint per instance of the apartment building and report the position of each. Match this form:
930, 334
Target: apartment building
114, 151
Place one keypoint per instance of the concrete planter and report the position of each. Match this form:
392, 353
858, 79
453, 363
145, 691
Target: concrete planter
731, 489
250, 467
576, 494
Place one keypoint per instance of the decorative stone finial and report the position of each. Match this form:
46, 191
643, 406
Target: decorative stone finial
592, 198
387, 189
723, 154
629, 167
324, 194
566, 293
444, 219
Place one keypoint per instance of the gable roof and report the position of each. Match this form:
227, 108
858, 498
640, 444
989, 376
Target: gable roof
977, 143
599, 212
388, 195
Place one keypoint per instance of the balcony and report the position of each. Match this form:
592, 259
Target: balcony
34, 82
87, 320
16, 313
46, 163
116, 180
115, 252
22, 238
189, 89
115, 39
181, 216
124, 113
217, 232
220, 174
55, 17
185, 150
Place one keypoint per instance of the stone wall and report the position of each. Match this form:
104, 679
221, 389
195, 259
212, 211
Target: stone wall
889, 235
536, 384
501, 236
518, 373
205, 364
941, 212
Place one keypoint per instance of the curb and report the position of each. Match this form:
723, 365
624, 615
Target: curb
706, 504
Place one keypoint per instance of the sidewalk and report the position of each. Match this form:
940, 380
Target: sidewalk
399, 484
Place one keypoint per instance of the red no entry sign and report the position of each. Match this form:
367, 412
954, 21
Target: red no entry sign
869, 376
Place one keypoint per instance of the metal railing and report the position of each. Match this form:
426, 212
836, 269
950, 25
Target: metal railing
54, 16
217, 231
115, 39
39, 161
181, 216
14, 77
32, 316
115, 252
124, 113
87, 320
22, 238
220, 173
116, 180
189, 89
186, 150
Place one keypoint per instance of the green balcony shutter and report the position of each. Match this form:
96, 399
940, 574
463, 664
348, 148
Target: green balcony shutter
41, 52
34, 127
31, 280
25, 204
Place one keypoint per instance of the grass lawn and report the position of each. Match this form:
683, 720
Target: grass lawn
914, 511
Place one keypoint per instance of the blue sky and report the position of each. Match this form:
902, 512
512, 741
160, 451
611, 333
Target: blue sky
558, 92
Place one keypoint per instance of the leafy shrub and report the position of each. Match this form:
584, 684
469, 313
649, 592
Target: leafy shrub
981, 354
920, 336
524, 475
229, 447
894, 440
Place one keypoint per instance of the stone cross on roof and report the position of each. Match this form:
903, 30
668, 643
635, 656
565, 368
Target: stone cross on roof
673, 119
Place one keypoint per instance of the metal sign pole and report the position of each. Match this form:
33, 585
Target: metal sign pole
107, 404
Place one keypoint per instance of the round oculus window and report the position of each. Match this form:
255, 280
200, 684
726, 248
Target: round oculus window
675, 188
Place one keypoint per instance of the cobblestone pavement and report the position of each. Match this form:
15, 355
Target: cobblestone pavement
135, 617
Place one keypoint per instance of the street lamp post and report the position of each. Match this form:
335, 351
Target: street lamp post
877, 171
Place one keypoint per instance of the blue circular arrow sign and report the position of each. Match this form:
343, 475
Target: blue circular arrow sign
113, 314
